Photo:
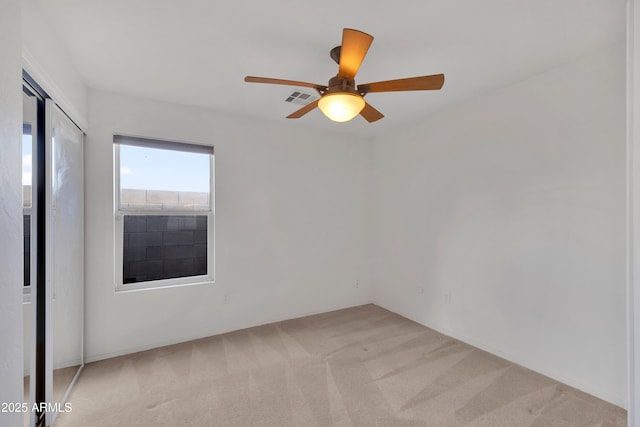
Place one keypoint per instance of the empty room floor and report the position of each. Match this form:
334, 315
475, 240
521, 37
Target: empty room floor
362, 366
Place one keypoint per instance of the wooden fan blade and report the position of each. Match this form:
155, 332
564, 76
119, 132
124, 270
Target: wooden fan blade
252, 79
304, 110
370, 114
433, 82
355, 45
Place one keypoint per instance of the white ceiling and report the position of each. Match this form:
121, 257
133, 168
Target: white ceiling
197, 52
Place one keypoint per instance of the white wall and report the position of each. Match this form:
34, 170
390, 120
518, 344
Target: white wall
514, 204
49, 63
291, 226
11, 347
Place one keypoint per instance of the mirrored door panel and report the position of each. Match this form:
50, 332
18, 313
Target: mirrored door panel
65, 252
29, 150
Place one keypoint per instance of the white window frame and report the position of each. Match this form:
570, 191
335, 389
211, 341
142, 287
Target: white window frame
119, 214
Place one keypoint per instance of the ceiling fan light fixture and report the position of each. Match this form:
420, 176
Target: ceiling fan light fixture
341, 106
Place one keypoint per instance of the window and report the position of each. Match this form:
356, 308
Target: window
33, 142
27, 149
164, 213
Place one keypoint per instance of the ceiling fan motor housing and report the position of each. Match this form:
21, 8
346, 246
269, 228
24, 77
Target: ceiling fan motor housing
335, 54
341, 84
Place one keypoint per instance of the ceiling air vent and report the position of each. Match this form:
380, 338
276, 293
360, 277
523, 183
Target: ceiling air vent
300, 97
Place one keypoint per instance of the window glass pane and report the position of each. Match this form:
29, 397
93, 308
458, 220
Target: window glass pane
27, 250
152, 178
26, 165
159, 247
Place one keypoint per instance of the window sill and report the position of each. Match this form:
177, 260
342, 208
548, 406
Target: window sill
164, 284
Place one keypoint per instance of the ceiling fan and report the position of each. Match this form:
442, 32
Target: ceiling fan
341, 99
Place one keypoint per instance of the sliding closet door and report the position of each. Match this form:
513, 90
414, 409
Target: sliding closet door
32, 145
65, 254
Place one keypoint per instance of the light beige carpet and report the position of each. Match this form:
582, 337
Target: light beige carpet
363, 366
